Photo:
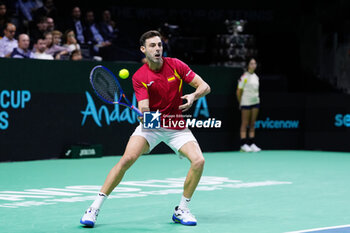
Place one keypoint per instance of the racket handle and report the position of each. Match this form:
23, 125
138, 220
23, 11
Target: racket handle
137, 111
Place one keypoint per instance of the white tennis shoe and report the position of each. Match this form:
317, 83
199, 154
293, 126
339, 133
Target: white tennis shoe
246, 148
184, 217
89, 217
254, 148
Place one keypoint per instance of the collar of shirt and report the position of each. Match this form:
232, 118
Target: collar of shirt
7, 39
23, 52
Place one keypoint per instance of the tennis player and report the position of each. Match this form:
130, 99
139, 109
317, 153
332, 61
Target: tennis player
158, 86
249, 101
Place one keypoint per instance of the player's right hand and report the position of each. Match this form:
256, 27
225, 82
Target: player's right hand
140, 119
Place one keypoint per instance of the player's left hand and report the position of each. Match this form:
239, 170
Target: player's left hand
190, 100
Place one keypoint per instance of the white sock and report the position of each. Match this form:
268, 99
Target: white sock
101, 197
184, 202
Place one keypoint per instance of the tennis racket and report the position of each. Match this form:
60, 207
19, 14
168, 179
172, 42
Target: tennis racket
108, 89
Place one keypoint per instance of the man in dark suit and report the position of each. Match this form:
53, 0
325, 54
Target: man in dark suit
107, 27
77, 25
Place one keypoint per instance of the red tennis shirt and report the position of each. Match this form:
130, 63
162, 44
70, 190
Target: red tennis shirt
163, 88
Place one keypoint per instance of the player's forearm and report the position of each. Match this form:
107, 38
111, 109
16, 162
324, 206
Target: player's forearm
202, 90
239, 95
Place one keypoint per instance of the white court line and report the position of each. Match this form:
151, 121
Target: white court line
319, 229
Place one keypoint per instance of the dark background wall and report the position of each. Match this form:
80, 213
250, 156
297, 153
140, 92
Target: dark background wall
293, 38
296, 39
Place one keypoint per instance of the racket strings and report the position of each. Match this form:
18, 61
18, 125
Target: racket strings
104, 84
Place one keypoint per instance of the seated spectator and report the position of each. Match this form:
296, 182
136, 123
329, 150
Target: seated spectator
70, 41
47, 10
40, 29
76, 55
26, 9
56, 37
107, 26
77, 25
93, 34
48, 38
40, 48
8, 42
50, 24
57, 48
3, 18
23, 48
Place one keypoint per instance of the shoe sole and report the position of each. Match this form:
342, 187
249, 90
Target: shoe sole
176, 220
245, 151
255, 151
87, 223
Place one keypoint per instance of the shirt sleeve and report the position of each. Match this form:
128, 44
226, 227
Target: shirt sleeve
2, 54
242, 81
184, 71
140, 88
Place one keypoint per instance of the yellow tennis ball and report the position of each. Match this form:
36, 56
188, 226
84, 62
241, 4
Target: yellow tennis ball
123, 73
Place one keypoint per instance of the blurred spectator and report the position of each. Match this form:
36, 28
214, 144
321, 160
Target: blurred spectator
40, 48
50, 24
40, 29
48, 10
93, 34
56, 37
107, 26
77, 25
26, 8
166, 31
70, 41
3, 18
76, 55
48, 38
55, 49
23, 48
8, 42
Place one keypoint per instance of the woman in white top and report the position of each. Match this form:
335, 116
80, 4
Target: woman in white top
70, 41
249, 102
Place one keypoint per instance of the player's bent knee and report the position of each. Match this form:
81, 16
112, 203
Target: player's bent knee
127, 161
198, 163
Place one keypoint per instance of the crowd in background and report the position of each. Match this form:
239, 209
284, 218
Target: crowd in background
35, 29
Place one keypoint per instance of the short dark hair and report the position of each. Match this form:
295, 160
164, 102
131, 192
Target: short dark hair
147, 35
39, 38
42, 19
